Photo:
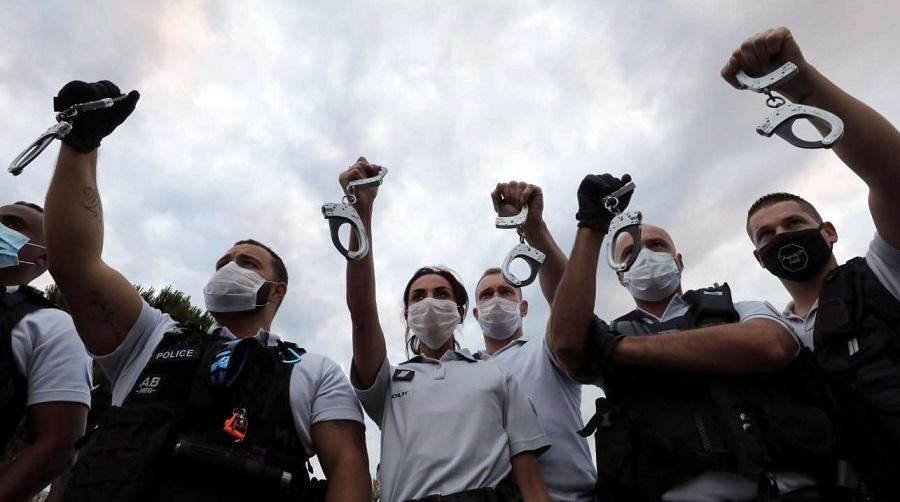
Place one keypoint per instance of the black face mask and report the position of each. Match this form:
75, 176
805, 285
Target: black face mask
796, 256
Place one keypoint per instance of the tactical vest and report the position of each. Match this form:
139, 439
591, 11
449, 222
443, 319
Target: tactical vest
13, 385
857, 347
658, 428
168, 441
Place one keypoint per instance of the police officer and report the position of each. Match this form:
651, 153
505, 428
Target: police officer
233, 414
849, 314
452, 428
705, 399
567, 467
45, 374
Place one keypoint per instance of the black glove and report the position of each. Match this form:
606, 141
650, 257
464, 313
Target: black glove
591, 211
89, 127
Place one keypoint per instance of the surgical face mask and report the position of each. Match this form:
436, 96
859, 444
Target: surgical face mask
653, 276
233, 288
11, 242
433, 321
499, 318
796, 256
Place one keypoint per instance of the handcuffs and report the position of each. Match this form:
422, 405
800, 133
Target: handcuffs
532, 256
59, 130
623, 222
783, 116
338, 214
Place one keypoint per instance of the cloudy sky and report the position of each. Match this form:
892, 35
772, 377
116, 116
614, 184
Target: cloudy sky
250, 110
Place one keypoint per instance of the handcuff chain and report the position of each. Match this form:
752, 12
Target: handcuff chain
773, 101
612, 204
349, 196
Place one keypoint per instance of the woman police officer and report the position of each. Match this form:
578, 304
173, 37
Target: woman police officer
449, 425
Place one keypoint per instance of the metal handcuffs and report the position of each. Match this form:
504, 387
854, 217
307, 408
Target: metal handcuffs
338, 214
59, 130
532, 256
783, 116
623, 222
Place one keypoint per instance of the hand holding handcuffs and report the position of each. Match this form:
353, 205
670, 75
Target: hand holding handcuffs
338, 214
532, 256
623, 222
781, 120
58, 131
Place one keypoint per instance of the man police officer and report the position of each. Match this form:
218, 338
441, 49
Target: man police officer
174, 386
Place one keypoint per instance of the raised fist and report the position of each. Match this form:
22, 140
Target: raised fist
89, 127
593, 189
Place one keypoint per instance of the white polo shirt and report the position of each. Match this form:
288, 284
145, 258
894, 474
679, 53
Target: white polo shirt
882, 258
567, 468
448, 425
48, 352
319, 390
716, 486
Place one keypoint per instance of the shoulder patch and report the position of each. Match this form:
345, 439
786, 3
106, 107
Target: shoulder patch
403, 375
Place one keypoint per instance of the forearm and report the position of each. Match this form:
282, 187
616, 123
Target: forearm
349, 481
573, 305
34, 468
870, 145
554, 266
368, 339
73, 215
528, 478
754, 346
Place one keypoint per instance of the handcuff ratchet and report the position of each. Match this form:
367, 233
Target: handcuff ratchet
338, 214
781, 121
531, 255
628, 222
59, 130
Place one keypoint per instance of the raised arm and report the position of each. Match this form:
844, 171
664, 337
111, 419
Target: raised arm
368, 339
870, 145
510, 198
572, 310
103, 304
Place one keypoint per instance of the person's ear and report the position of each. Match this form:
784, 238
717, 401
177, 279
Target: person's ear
278, 292
679, 260
475, 313
831, 234
523, 308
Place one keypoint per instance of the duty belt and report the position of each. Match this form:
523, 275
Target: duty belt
479, 495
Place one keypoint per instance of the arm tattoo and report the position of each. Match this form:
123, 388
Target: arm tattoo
106, 313
91, 203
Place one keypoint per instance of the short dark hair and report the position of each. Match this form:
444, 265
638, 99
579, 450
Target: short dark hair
775, 198
492, 271
280, 270
32, 205
459, 296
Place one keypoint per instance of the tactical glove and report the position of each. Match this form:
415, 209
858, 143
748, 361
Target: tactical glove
591, 211
89, 127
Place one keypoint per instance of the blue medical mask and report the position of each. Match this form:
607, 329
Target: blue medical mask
11, 242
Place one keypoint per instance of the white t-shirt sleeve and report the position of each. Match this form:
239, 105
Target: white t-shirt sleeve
521, 421
749, 310
123, 365
373, 398
884, 260
319, 393
49, 353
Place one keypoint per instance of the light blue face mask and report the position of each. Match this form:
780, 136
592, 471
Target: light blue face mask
11, 242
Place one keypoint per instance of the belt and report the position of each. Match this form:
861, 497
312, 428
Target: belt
478, 495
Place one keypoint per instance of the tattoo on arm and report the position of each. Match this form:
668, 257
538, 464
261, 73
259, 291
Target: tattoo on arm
91, 203
106, 312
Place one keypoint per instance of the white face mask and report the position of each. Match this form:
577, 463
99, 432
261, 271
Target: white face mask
653, 276
499, 318
232, 288
433, 321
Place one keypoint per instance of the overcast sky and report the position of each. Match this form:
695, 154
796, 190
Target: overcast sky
250, 110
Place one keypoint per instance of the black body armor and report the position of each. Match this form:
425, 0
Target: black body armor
658, 428
168, 441
857, 347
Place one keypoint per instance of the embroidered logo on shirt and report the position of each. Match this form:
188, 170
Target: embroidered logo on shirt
176, 355
149, 386
401, 375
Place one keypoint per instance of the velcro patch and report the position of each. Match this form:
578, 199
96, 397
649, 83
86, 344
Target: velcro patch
403, 375
148, 387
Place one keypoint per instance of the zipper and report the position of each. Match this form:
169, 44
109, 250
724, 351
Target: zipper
701, 429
